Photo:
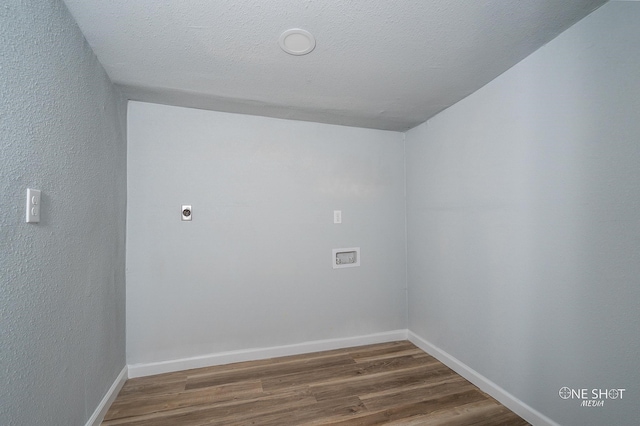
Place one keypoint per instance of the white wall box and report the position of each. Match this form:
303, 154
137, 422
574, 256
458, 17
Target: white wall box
345, 257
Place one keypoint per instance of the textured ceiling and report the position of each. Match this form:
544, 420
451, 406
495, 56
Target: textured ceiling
380, 64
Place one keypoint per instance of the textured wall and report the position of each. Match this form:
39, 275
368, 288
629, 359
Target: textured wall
523, 223
62, 284
253, 268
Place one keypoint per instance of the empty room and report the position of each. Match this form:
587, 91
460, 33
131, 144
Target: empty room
318, 212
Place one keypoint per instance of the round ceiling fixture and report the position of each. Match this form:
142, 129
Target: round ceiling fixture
297, 42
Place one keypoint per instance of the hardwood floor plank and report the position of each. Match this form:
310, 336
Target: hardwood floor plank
390, 383
485, 412
416, 395
329, 375
377, 382
388, 355
447, 416
136, 387
379, 349
149, 404
452, 377
304, 415
206, 414
248, 372
411, 410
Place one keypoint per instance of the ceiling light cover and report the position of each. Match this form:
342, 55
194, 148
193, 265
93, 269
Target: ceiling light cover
297, 41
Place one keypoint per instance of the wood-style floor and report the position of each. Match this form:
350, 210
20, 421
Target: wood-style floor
391, 383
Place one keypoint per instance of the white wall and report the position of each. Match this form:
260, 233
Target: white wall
523, 225
62, 130
253, 268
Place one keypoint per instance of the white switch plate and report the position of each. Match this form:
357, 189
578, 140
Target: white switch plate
337, 216
33, 205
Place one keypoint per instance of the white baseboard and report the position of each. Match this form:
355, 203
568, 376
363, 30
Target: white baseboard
148, 369
511, 402
100, 411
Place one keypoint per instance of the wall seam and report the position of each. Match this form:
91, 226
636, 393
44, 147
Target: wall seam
406, 233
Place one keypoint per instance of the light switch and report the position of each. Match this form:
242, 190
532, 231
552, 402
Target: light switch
33, 205
337, 216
